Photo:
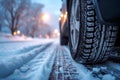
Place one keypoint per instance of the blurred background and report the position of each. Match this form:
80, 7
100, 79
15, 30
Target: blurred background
30, 18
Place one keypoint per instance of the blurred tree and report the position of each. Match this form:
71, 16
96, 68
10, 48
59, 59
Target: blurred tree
1, 18
1, 21
45, 29
12, 10
23, 15
31, 18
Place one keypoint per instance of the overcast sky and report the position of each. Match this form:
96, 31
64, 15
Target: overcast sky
51, 7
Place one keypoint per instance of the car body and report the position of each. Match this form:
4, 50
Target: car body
108, 11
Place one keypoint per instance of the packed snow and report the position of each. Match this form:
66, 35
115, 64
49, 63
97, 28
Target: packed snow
9, 64
37, 69
15, 53
12, 45
108, 77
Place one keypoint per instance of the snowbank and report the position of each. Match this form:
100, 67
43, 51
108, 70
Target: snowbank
38, 68
9, 37
9, 64
108, 77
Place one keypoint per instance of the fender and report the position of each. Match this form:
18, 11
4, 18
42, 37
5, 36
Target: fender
108, 11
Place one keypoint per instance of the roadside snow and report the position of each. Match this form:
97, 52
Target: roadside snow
16, 51
38, 68
96, 70
9, 37
10, 47
108, 77
9, 64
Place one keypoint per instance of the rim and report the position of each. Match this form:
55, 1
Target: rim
74, 24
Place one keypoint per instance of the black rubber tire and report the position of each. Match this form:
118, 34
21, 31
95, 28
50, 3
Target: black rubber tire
63, 40
95, 40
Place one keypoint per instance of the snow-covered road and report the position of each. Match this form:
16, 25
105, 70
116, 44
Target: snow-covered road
65, 68
38, 60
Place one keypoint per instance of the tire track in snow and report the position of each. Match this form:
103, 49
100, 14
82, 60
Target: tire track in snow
18, 48
9, 64
65, 68
38, 68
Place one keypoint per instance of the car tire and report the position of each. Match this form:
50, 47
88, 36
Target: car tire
94, 41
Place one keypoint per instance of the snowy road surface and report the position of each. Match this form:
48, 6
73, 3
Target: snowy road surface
38, 60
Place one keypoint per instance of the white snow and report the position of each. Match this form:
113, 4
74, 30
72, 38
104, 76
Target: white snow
9, 64
20, 55
9, 37
103, 68
10, 45
38, 68
108, 77
96, 70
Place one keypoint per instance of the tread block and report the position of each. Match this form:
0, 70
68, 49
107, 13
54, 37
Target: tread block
91, 13
90, 19
90, 24
88, 46
87, 50
115, 28
89, 2
89, 35
90, 29
90, 7
89, 40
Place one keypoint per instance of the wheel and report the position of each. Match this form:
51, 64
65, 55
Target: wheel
90, 42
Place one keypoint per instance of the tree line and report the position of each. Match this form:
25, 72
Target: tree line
21, 15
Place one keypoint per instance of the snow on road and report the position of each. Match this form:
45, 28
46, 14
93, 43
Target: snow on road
13, 47
65, 68
37, 69
9, 37
31, 60
14, 54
